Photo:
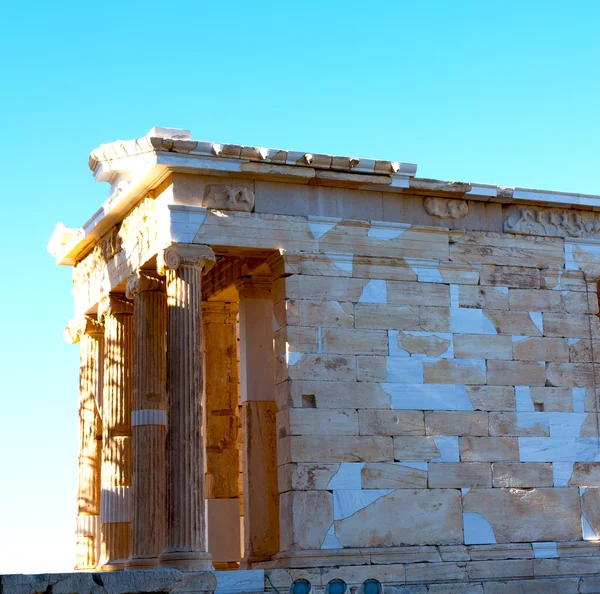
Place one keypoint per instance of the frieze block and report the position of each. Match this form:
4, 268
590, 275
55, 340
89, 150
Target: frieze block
138, 231
446, 208
229, 198
552, 222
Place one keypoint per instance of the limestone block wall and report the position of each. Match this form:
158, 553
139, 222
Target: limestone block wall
436, 387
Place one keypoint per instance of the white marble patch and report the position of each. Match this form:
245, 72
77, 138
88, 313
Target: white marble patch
544, 550
428, 396
586, 528
114, 504
519, 338
393, 349
591, 248
562, 472
427, 271
503, 290
588, 532
331, 540
558, 449
417, 465
320, 225
464, 490
448, 447
465, 320
572, 341
375, 291
185, 222
341, 260
561, 424
386, 231
477, 529
569, 260
536, 318
404, 370
90, 525
291, 357
347, 502
578, 399
454, 293
523, 397
148, 417
347, 477
241, 580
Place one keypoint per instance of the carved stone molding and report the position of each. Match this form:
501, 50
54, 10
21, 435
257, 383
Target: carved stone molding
138, 230
140, 282
446, 208
254, 287
219, 312
175, 256
552, 222
113, 304
229, 197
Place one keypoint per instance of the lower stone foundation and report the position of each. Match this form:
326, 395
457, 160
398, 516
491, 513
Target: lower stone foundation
575, 575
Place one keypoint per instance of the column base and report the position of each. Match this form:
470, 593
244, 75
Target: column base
141, 563
186, 560
248, 562
114, 565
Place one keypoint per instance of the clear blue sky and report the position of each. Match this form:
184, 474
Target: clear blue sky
496, 92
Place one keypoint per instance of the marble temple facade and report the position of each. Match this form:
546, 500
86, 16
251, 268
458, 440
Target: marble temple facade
326, 367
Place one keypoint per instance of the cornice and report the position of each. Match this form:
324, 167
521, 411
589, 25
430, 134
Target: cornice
135, 168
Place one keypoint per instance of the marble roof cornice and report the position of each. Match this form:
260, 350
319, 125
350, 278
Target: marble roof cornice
134, 168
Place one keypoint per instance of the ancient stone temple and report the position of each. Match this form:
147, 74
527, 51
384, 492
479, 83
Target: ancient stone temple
300, 366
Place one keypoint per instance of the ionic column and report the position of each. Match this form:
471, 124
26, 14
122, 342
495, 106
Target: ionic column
90, 335
116, 412
148, 420
222, 385
185, 546
257, 369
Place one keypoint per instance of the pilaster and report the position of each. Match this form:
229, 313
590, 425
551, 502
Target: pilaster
116, 451
257, 368
149, 419
222, 386
185, 546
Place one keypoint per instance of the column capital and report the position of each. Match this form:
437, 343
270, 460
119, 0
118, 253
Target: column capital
113, 304
254, 287
140, 282
219, 312
176, 255
82, 325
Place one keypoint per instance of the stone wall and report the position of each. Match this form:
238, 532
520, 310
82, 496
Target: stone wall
436, 387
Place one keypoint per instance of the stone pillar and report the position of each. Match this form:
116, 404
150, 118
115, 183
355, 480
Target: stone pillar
222, 384
148, 420
185, 544
116, 447
90, 335
257, 369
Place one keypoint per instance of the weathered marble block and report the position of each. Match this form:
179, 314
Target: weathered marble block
527, 515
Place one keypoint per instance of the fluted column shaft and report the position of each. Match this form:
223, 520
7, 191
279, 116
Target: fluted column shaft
185, 524
91, 339
116, 450
148, 420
